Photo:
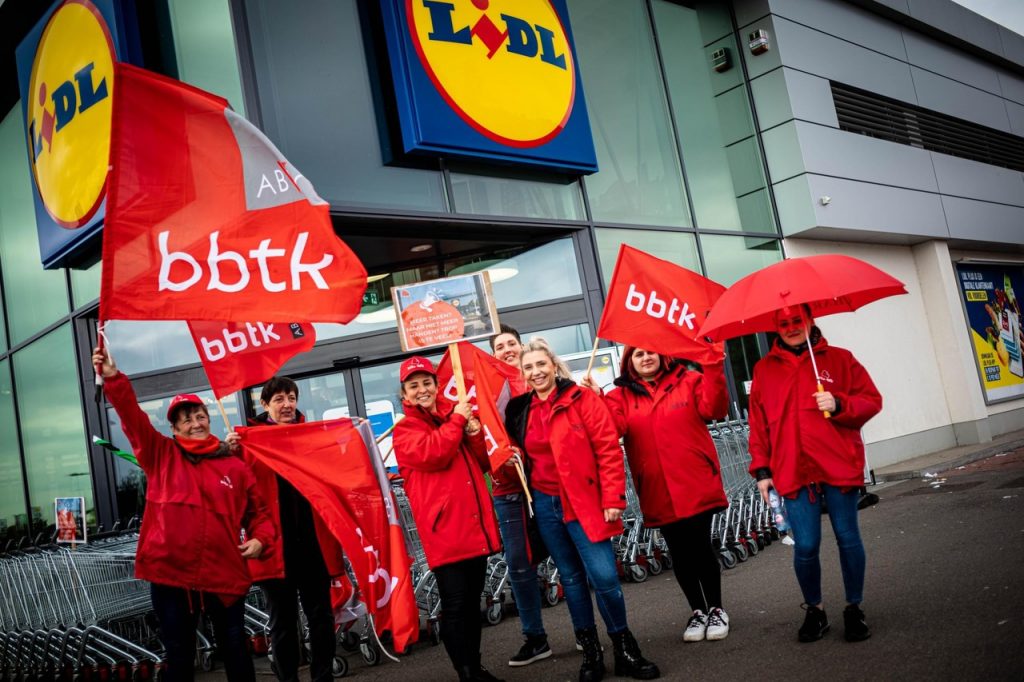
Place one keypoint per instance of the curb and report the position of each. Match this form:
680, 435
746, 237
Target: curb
962, 460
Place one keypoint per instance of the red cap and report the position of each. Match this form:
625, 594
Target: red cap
184, 398
415, 364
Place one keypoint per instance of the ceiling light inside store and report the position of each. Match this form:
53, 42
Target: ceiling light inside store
420, 248
499, 270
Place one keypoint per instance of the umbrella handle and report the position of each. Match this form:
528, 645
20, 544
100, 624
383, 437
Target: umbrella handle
821, 389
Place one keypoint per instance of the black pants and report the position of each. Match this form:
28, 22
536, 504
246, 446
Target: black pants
694, 561
460, 586
177, 613
314, 591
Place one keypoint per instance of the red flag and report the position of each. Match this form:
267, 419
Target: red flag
206, 220
336, 466
658, 306
240, 354
490, 384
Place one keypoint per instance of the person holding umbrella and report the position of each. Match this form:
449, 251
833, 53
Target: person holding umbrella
808, 402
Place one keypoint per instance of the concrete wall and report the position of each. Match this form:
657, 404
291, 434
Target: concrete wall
873, 189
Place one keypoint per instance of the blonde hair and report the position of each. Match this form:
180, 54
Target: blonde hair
538, 343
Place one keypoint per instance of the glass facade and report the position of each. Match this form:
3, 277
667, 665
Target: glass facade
680, 176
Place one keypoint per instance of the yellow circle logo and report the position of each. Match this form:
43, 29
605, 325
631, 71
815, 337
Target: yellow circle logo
69, 111
505, 66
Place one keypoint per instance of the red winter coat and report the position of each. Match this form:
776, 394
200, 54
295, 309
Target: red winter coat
671, 455
591, 473
444, 480
271, 563
790, 436
196, 506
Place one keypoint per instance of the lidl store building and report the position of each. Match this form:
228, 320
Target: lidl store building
722, 136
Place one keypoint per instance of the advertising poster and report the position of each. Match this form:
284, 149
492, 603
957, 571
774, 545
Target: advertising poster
442, 311
994, 318
70, 513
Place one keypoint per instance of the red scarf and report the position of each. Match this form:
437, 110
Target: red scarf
199, 446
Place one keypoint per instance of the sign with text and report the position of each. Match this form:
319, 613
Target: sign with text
442, 311
994, 320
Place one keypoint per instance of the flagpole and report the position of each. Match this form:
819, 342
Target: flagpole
814, 365
460, 380
224, 414
593, 354
381, 437
526, 488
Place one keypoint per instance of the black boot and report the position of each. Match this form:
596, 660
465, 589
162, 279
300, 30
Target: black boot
592, 669
476, 673
629, 662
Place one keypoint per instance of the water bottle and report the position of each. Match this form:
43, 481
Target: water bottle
779, 514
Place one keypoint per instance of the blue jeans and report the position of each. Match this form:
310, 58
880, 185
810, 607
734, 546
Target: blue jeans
511, 510
805, 518
579, 560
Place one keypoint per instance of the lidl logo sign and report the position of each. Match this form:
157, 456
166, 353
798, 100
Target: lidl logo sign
490, 79
66, 69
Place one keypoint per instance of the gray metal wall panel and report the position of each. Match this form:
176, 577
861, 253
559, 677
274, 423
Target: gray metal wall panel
795, 205
828, 151
734, 116
866, 207
1013, 45
749, 10
771, 99
983, 221
958, 21
898, 5
782, 152
727, 80
817, 53
846, 21
1016, 113
1011, 87
758, 65
956, 99
811, 98
974, 180
932, 55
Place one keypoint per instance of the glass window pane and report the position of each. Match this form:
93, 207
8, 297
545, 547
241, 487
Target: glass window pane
13, 520
677, 247
575, 338
743, 354
52, 432
85, 285
381, 390
730, 258
35, 297
204, 44
320, 397
518, 277
640, 180
317, 105
488, 193
716, 128
129, 480
148, 346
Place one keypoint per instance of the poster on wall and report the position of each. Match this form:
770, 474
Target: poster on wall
442, 311
994, 317
70, 513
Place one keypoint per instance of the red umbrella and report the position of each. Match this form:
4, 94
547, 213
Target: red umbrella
828, 284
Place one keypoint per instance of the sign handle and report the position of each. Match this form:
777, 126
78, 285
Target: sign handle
460, 380
593, 354
381, 437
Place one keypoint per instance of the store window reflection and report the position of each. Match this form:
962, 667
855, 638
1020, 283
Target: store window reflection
320, 397
13, 520
677, 247
730, 258
486, 192
148, 346
130, 482
53, 436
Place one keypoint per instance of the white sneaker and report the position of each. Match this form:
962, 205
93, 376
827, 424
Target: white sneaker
718, 624
696, 628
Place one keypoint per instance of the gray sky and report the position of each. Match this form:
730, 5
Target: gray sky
1009, 13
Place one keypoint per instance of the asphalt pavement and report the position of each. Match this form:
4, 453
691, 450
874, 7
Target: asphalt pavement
944, 599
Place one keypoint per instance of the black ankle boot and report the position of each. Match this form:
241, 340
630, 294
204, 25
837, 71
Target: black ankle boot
592, 669
629, 662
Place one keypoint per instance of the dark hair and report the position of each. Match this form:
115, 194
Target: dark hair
505, 329
188, 409
277, 385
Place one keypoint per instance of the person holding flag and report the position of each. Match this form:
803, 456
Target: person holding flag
578, 483
805, 442
309, 554
660, 407
199, 495
442, 456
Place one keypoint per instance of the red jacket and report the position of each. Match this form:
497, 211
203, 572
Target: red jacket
271, 564
196, 506
790, 436
591, 472
671, 455
443, 471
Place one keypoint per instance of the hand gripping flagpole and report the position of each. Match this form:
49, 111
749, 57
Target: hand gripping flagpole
814, 365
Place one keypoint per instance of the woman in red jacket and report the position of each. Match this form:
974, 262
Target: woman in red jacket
441, 455
199, 496
661, 407
578, 483
808, 457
